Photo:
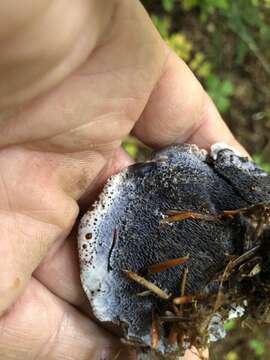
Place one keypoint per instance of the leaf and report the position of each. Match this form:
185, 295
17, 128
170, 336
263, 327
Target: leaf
167, 264
168, 5
212, 83
204, 70
131, 149
232, 355
181, 46
147, 284
227, 88
221, 4
223, 104
220, 91
241, 52
229, 325
257, 158
162, 25
188, 5
197, 61
257, 346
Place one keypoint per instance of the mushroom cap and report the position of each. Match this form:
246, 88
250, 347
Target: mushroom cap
123, 231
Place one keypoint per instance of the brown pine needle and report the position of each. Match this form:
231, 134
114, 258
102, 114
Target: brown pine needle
167, 264
240, 259
183, 287
173, 335
230, 213
147, 284
177, 311
184, 282
154, 334
183, 299
227, 272
185, 215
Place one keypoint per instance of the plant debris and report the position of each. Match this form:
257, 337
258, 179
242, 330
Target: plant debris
147, 284
192, 249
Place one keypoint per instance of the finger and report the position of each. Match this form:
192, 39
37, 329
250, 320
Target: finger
41, 326
59, 270
179, 110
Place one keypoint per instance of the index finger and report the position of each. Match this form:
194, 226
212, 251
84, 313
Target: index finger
179, 110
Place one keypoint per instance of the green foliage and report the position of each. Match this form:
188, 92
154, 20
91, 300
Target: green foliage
207, 7
258, 347
182, 47
188, 5
131, 149
162, 24
168, 5
258, 159
231, 355
247, 19
220, 91
200, 65
229, 325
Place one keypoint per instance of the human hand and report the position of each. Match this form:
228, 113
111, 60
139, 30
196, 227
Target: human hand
76, 78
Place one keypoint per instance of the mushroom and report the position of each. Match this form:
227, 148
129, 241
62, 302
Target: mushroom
176, 245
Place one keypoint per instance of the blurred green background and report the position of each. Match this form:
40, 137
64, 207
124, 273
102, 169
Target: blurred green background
227, 45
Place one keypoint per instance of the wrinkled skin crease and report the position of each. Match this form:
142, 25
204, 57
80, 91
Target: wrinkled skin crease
66, 102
